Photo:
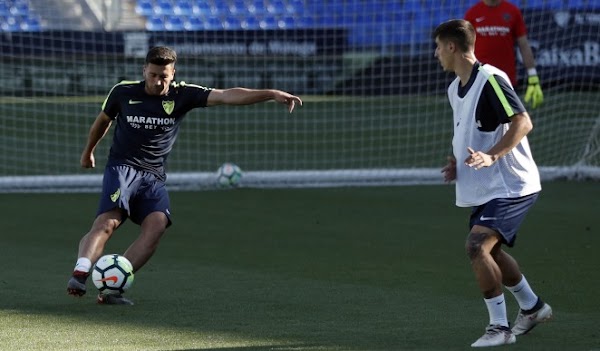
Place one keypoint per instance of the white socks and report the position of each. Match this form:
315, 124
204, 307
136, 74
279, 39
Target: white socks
83, 264
497, 310
497, 307
524, 295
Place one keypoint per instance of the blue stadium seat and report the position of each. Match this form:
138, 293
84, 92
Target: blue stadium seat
231, 22
11, 24
256, 7
174, 23
249, 23
155, 23
424, 21
4, 9
325, 20
268, 22
318, 7
185, 8
399, 33
350, 6
213, 23
163, 7
577, 4
144, 8
237, 7
369, 8
194, 23
534, 4
30, 24
449, 10
555, 5
276, 7
305, 22
410, 6
593, 4
295, 7
366, 35
518, 3
286, 22
220, 8
19, 8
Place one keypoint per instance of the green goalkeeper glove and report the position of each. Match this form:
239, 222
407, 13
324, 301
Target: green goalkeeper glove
534, 91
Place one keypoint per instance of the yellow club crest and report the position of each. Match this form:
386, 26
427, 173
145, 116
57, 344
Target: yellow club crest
115, 196
168, 106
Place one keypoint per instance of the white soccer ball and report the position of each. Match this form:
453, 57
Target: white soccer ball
229, 175
112, 274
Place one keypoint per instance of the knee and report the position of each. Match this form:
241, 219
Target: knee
473, 248
105, 227
474, 245
479, 244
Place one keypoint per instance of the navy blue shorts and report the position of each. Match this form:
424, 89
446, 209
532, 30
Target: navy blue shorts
503, 215
138, 193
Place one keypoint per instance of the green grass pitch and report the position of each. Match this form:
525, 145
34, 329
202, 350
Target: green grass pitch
311, 269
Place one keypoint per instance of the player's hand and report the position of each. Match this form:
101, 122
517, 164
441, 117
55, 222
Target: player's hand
478, 159
88, 161
534, 93
288, 99
449, 170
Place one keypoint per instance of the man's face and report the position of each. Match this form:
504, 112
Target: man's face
443, 52
158, 78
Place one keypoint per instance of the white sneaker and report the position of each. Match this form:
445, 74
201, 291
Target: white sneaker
495, 335
525, 322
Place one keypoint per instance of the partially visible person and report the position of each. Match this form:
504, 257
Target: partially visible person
496, 176
499, 25
148, 115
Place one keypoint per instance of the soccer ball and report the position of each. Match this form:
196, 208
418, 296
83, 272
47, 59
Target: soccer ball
229, 175
112, 274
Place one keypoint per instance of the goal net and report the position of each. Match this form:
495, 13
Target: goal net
375, 107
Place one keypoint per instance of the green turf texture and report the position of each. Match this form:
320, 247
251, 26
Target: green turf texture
310, 269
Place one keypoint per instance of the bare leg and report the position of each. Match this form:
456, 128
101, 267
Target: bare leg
482, 245
140, 251
92, 244
511, 274
91, 247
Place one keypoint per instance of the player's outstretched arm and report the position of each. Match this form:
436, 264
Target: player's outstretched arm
97, 132
244, 96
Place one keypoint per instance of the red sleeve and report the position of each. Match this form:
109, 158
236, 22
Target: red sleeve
519, 30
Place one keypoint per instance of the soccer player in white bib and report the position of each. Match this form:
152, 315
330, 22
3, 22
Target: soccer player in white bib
495, 176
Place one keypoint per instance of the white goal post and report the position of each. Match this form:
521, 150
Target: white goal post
375, 111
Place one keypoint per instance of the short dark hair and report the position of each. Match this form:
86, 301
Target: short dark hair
161, 55
458, 31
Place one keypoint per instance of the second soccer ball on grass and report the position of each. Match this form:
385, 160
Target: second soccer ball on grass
229, 175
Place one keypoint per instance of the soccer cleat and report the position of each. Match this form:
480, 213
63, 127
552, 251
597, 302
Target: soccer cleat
527, 320
76, 284
110, 299
495, 335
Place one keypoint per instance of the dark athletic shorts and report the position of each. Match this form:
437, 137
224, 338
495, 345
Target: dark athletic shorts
503, 215
138, 193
